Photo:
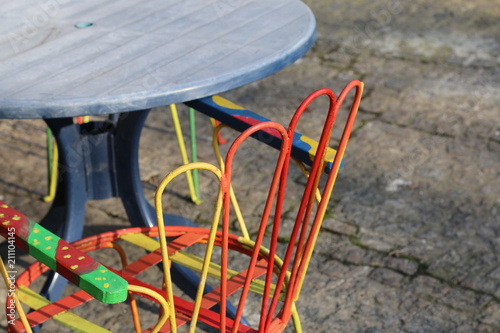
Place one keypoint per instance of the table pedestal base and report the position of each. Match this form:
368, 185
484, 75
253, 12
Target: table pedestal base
97, 160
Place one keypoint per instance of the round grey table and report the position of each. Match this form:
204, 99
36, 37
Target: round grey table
65, 58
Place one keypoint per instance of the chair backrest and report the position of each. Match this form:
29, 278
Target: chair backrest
278, 279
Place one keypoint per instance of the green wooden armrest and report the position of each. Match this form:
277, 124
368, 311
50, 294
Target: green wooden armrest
62, 257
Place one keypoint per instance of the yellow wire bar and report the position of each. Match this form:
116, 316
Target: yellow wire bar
184, 156
296, 319
19, 307
52, 160
166, 307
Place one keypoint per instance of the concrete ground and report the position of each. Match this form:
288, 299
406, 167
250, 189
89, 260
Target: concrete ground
412, 238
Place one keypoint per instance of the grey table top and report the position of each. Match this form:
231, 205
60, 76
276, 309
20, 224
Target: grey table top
139, 54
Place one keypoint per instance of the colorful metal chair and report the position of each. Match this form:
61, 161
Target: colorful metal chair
259, 272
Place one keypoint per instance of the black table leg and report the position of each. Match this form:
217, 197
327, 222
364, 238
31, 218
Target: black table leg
139, 211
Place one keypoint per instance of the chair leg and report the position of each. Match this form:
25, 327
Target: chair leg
296, 319
132, 301
52, 160
194, 150
182, 148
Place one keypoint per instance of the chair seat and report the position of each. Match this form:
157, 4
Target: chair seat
180, 241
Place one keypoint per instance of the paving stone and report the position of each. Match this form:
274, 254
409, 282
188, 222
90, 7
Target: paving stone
387, 277
378, 242
340, 227
465, 300
491, 315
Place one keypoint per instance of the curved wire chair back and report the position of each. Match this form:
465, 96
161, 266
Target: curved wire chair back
277, 278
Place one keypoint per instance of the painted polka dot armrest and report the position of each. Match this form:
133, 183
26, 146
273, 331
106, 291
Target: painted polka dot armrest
59, 255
